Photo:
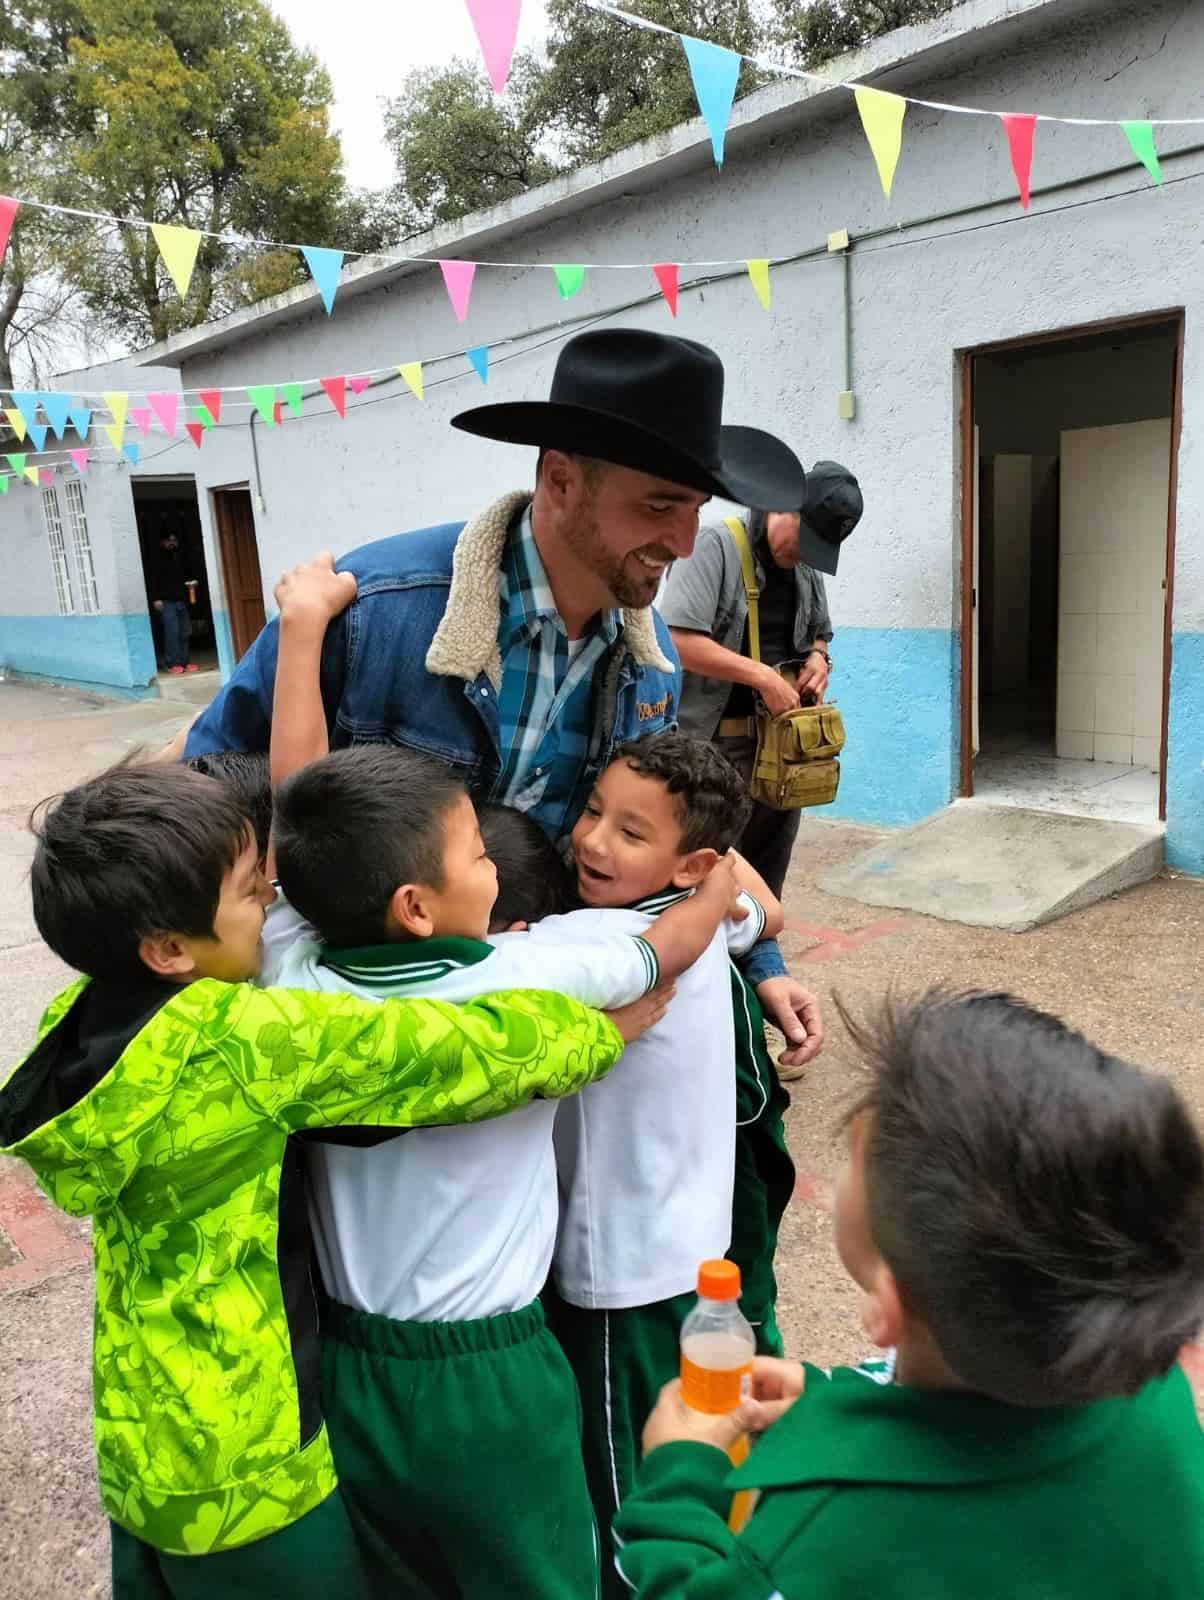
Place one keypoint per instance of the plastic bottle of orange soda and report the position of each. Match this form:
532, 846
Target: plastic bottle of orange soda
717, 1350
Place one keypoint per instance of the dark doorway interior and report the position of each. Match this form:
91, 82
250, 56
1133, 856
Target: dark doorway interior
164, 505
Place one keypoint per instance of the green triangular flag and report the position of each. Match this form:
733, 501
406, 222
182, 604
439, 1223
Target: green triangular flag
4, 482
292, 397
1141, 140
569, 280
263, 397
204, 416
17, 463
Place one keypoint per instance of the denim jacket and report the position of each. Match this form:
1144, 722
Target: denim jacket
414, 661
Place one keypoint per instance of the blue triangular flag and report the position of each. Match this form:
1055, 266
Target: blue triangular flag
715, 72
324, 266
479, 356
27, 405
130, 452
56, 407
81, 420
37, 432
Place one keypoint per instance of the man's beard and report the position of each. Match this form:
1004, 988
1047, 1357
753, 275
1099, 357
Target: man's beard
630, 588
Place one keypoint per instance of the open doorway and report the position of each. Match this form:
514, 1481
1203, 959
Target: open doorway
166, 507
1070, 444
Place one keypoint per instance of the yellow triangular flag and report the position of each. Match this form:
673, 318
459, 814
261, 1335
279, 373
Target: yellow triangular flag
882, 119
411, 371
118, 403
178, 247
758, 273
16, 422
116, 433
32, 474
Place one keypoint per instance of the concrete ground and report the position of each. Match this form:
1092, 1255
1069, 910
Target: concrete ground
1128, 971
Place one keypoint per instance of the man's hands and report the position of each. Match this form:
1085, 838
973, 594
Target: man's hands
313, 593
776, 1385
778, 693
795, 1011
641, 1014
813, 676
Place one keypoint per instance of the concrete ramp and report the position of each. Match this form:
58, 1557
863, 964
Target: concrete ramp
1000, 866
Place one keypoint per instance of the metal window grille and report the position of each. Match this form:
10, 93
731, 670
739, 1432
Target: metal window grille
80, 548
58, 551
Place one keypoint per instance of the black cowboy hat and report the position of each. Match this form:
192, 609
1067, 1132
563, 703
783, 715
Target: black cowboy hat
832, 507
651, 402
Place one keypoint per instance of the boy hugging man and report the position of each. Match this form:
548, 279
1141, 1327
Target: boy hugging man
453, 1412
162, 1098
1023, 1216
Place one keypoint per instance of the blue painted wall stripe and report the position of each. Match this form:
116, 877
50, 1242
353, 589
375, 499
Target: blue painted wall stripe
1185, 765
897, 691
115, 651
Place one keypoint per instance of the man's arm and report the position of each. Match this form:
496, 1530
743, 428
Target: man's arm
240, 716
709, 659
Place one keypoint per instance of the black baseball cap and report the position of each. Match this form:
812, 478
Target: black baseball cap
831, 509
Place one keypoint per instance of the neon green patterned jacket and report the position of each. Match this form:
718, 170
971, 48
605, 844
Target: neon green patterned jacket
172, 1117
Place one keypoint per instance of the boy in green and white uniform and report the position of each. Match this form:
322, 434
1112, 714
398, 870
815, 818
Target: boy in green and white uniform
646, 1174
453, 1413
1024, 1218
162, 1098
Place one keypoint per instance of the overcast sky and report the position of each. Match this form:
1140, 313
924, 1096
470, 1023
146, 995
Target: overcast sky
368, 48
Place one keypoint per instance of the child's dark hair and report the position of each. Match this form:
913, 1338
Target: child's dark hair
248, 775
1040, 1203
532, 879
352, 828
711, 796
137, 851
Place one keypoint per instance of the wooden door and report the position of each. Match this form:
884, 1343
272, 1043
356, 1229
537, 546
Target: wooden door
241, 576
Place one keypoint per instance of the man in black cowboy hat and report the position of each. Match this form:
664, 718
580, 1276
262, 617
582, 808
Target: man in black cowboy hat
520, 648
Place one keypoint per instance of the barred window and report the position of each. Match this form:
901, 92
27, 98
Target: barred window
58, 551
83, 569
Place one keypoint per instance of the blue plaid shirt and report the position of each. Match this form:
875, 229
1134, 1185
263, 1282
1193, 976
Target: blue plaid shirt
545, 700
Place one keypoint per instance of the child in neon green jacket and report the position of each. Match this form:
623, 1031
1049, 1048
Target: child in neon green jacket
164, 1097
1024, 1217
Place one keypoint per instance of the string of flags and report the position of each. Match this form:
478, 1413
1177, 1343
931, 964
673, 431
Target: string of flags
36, 414
714, 72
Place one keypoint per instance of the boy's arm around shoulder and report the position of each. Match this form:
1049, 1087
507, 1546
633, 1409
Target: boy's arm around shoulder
681, 934
753, 884
311, 1060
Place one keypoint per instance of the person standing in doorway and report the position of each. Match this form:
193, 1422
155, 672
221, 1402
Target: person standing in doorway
169, 596
706, 606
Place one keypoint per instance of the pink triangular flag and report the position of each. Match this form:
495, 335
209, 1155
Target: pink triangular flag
165, 407
359, 384
142, 416
211, 399
195, 431
336, 388
666, 276
496, 24
1020, 130
8, 210
80, 457
458, 276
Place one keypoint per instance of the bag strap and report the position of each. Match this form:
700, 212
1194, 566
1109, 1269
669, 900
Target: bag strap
749, 573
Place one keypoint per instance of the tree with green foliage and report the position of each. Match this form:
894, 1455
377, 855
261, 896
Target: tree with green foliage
457, 147
200, 113
811, 32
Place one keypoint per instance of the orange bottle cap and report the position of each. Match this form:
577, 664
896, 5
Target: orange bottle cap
719, 1280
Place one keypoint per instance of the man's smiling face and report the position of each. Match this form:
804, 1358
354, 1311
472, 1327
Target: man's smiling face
627, 527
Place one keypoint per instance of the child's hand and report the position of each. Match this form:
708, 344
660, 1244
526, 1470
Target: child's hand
776, 1386
314, 592
726, 876
641, 1014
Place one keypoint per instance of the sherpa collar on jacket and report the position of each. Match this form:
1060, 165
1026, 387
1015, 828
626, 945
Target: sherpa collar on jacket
465, 642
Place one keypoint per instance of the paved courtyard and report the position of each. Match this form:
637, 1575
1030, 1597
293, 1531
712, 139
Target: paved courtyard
1130, 972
